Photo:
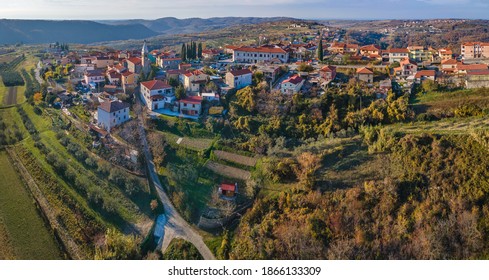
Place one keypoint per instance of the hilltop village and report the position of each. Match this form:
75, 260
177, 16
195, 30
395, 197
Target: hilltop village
192, 83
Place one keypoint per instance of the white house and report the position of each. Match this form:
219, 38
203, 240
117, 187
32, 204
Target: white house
239, 78
292, 85
191, 106
193, 80
94, 76
259, 54
112, 113
397, 55
157, 94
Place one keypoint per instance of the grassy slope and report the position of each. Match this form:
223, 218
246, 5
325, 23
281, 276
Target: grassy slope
28, 235
6, 248
434, 102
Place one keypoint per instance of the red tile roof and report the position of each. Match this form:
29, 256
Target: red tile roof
449, 61
127, 73
155, 84
260, 50
192, 100
135, 60
294, 80
328, 68
396, 50
472, 67
241, 72
425, 73
364, 70
192, 73
370, 48
228, 187
407, 61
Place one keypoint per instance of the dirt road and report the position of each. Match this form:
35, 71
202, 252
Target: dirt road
11, 97
175, 226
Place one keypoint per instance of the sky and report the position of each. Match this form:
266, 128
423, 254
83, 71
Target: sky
305, 9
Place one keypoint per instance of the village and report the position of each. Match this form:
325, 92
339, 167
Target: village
190, 87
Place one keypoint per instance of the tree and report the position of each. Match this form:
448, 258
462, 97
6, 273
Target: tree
303, 67
199, 50
246, 99
118, 246
37, 97
183, 52
320, 52
180, 92
308, 163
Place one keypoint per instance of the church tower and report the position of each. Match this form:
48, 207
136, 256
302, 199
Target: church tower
144, 55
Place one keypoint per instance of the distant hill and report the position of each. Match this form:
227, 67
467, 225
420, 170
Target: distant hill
171, 25
73, 31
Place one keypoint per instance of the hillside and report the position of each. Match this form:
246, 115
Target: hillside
400, 33
84, 32
171, 25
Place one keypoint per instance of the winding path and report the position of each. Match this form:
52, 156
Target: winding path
175, 226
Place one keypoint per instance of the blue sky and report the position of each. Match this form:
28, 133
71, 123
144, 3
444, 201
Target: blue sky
317, 9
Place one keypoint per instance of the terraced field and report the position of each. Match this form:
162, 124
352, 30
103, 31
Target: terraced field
228, 171
243, 160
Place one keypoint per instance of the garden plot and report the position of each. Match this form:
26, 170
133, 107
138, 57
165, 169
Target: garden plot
243, 160
228, 171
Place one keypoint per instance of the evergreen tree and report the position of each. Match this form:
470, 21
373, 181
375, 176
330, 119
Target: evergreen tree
183, 53
189, 52
320, 50
199, 51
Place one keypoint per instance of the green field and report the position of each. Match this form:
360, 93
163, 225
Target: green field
3, 91
23, 229
446, 102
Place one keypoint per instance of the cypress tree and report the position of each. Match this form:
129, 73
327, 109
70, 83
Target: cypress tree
320, 50
199, 50
183, 52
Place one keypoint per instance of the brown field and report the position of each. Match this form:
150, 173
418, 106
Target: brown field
228, 171
196, 143
11, 96
243, 160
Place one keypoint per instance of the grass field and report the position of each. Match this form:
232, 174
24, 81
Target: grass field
26, 231
434, 102
228, 171
15, 130
3, 91
445, 126
6, 248
243, 160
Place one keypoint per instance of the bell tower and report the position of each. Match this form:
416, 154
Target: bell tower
144, 55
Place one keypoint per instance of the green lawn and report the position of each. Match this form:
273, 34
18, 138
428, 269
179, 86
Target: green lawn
27, 233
